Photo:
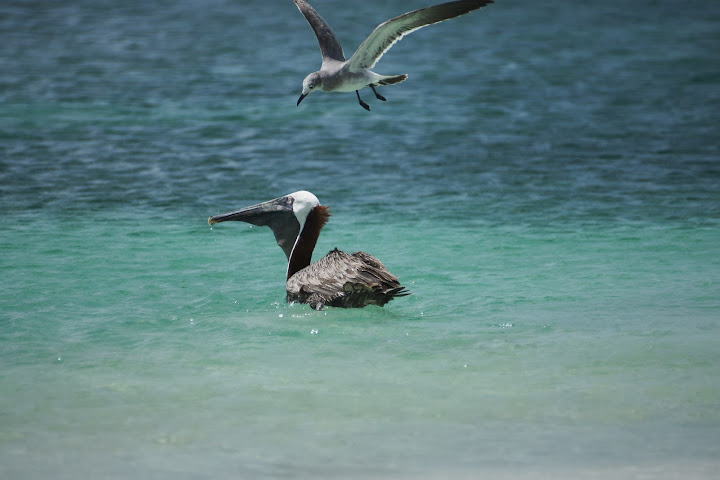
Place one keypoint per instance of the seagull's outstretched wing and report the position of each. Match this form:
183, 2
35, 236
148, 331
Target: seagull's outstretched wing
388, 33
329, 46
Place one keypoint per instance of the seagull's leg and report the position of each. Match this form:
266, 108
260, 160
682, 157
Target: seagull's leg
377, 95
362, 104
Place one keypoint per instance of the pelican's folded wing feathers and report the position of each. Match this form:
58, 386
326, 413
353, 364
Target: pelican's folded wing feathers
343, 280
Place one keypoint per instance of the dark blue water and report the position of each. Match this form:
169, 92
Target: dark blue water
546, 183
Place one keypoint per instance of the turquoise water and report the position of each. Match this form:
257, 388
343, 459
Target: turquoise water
546, 183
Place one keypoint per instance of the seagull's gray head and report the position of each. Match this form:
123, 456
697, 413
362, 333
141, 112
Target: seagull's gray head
311, 83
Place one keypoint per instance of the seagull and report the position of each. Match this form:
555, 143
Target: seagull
339, 75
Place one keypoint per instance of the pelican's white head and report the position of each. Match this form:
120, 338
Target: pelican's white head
311, 83
303, 202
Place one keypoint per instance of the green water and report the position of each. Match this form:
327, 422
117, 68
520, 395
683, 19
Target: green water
554, 212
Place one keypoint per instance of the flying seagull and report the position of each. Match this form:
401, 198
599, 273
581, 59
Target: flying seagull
338, 75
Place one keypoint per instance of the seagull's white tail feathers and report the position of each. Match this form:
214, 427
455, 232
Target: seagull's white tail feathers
392, 79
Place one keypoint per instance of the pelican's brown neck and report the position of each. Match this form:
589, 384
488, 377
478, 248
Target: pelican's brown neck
301, 255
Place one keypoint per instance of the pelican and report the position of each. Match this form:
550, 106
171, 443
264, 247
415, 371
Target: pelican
338, 279
338, 75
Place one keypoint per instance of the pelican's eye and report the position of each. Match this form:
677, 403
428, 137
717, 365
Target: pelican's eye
311, 86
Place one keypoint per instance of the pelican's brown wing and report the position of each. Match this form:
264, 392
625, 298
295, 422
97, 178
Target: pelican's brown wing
343, 280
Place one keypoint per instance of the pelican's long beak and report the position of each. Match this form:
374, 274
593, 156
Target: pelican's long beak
256, 214
301, 98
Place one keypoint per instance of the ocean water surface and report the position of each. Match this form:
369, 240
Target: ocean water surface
546, 183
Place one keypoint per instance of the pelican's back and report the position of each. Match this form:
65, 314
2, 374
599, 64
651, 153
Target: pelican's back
343, 280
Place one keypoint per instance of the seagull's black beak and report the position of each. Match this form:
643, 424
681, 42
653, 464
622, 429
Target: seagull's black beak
259, 214
301, 98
